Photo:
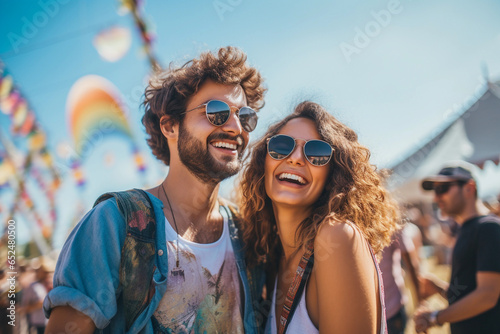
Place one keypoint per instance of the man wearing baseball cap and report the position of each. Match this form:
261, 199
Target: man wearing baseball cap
474, 290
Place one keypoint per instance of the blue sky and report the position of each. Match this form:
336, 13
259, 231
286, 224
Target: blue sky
395, 71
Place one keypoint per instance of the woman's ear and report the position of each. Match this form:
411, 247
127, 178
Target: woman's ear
169, 127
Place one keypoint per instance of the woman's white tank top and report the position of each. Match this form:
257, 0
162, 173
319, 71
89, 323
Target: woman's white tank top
301, 323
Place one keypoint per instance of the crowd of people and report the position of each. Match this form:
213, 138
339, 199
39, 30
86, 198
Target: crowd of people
34, 281
314, 242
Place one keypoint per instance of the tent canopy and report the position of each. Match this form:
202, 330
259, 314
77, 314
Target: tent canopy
473, 137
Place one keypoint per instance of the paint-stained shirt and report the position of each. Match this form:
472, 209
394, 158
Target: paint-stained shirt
203, 293
87, 272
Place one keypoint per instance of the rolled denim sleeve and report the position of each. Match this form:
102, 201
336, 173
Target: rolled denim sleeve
87, 271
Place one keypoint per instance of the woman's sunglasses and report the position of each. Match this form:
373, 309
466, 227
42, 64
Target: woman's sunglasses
317, 152
443, 188
218, 113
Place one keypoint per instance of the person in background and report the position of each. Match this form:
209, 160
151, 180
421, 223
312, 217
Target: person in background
473, 292
400, 250
33, 296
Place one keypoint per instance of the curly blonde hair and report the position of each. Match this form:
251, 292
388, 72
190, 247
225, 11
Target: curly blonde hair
169, 91
353, 191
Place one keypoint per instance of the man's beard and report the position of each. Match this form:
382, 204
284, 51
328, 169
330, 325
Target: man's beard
455, 206
201, 163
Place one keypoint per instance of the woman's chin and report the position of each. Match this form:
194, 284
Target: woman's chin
291, 202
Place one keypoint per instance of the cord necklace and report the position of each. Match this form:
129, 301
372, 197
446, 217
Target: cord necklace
176, 271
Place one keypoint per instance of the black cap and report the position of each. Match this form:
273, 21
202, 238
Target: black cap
448, 174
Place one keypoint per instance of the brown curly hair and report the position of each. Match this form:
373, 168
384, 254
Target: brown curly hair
169, 91
353, 191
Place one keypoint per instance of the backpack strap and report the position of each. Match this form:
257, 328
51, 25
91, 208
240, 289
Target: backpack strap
137, 263
234, 223
255, 275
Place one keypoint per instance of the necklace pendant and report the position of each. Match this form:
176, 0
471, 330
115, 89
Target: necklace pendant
178, 272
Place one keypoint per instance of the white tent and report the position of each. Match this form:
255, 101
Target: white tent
473, 137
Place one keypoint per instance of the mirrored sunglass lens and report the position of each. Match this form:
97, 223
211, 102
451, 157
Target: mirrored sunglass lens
248, 119
280, 147
218, 112
318, 152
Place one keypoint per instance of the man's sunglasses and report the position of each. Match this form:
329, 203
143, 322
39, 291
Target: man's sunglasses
443, 188
317, 152
218, 113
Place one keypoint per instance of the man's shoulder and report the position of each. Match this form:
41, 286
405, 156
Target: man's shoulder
481, 222
103, 222
489, 226
489, 219
128, 201
230, 207
104, 208
131, 195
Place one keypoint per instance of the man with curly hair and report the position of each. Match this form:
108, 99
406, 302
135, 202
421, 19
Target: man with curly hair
183, 270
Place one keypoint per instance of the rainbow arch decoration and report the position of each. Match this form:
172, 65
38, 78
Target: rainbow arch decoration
94, 110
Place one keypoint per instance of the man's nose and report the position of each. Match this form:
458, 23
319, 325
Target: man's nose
233, 124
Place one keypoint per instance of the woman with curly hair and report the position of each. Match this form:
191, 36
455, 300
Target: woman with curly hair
315, 213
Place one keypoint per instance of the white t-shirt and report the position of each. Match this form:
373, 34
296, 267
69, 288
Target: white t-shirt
203, 294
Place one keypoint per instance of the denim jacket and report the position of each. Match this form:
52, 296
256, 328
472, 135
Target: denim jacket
87, 272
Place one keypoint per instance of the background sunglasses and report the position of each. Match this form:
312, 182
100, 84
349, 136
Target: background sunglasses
218, 113
443, 188
317, 152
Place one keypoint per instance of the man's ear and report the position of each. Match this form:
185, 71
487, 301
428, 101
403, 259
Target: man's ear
169, 127
471, 187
